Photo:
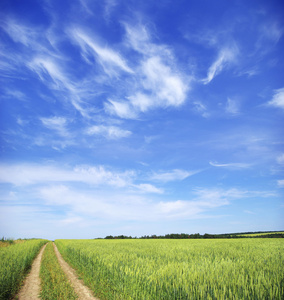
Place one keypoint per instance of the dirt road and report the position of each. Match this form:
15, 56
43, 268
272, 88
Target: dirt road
83, 292
31, 288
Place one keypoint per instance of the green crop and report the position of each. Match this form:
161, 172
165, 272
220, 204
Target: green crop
179, 269
54, 283
260, 234
15, 261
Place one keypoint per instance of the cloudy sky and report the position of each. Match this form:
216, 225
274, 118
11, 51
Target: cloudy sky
141, 117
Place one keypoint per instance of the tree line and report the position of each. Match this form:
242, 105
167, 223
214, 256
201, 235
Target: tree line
200, 236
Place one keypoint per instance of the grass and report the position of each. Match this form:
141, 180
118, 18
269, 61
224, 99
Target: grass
15, 262
4, 242
54, 283
179, 269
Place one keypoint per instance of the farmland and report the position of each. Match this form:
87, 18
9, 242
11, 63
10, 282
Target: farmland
15, 261
179, 269
54, 284
151, 268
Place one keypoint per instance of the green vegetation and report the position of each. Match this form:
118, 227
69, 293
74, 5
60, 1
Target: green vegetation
4, 242
54, 283
272, 234
15, 261
267, 234
179, 269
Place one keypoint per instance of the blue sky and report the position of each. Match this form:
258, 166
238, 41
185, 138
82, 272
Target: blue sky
141, 117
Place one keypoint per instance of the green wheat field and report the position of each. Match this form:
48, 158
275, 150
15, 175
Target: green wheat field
153, 269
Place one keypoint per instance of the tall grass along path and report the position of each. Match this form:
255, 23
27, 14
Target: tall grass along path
15, 263
81, 290
31, 288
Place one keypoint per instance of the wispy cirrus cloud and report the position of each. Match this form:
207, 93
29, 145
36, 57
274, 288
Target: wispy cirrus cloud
200, 108
110, 60
269, 32
172, 175
158, 82
109, 132
20, 33
121, 109
123, 206
29, 174
230, 165
225, 58
41, 54
58, 124
280, 159
45, 65
277, 99
154, 80
136, 207
148, 188
232, 107
280, 183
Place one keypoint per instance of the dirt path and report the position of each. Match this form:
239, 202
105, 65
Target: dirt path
31, 288
83, 292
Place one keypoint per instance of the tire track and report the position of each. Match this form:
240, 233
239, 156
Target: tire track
31, 288
83, 292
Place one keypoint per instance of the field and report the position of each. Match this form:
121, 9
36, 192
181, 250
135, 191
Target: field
179, 269
54, 283
150, 269
260, 234
15, 261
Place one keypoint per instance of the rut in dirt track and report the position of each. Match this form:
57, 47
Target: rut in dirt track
83, 292
31, 288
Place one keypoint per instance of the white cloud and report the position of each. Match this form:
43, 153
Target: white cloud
173, 175
120, 109
141, 102
272, 32
20, 33
27, 174
232, 107
109, 7
200, 108
84, 4
122, 206
154, 81
167, 85
204, 200
110, 60
61, 81
159, 87
41, 53
57, 124
15, 94
109, 132
280, 159
280, 183
46, 65
225, 58
277, 99
157, 81
148, 188
231, 165
138, 38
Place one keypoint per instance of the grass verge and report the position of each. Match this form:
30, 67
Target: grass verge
54, 283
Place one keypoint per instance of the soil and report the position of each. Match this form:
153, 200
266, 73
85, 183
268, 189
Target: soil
83, 292
31, 288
